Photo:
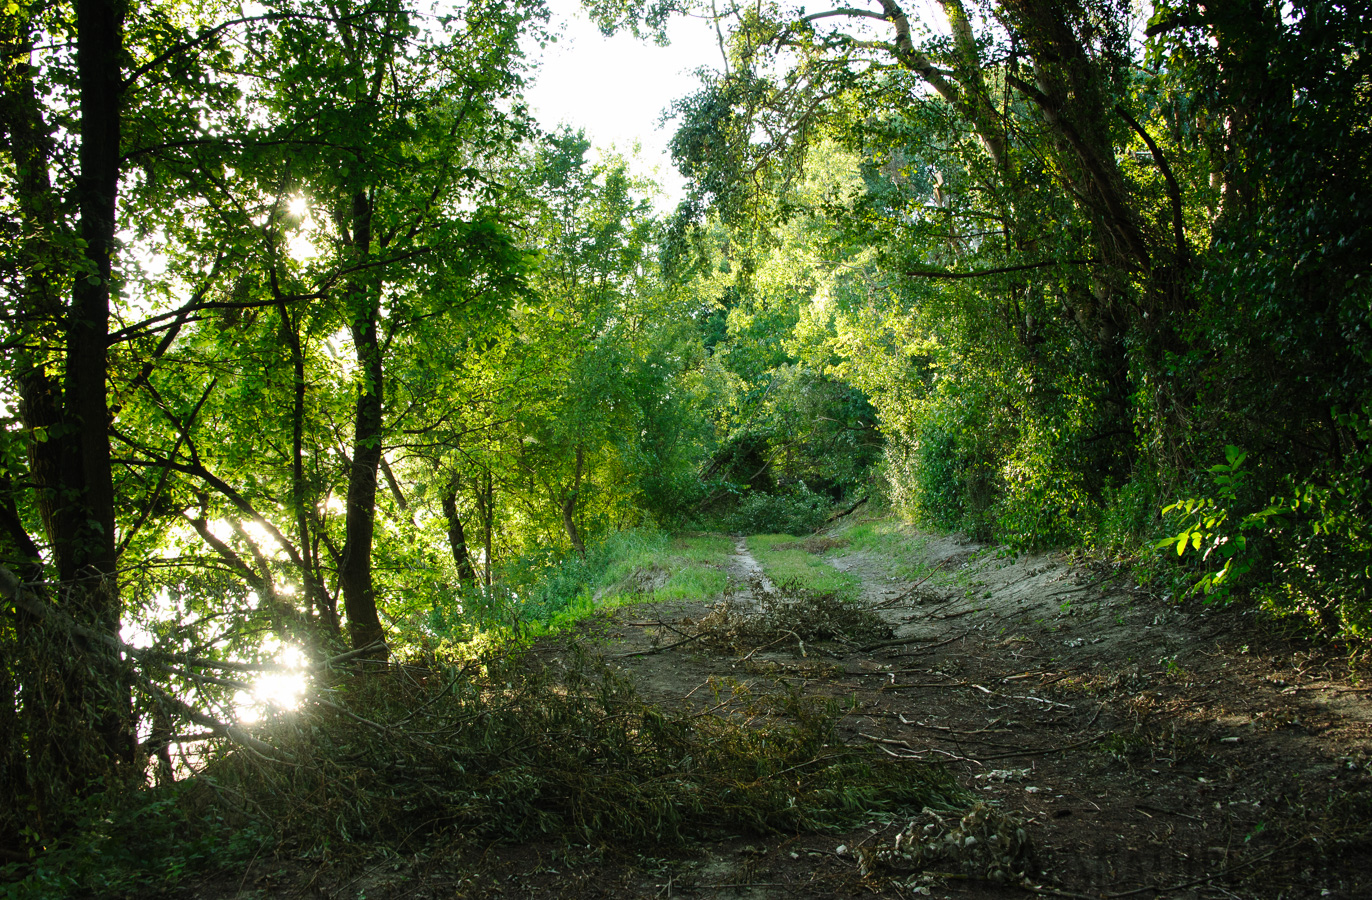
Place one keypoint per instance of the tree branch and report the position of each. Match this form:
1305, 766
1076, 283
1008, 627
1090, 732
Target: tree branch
1173, 189
980, 273
847, 11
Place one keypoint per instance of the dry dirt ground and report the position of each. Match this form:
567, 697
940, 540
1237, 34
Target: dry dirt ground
1145, 749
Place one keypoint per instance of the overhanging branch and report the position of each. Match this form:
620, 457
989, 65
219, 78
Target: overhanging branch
1003, 270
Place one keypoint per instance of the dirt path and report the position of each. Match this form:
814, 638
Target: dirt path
744, 567
1140, 744
1132, 747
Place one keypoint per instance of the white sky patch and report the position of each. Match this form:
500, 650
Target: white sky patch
264, 540
301, 244
617, 88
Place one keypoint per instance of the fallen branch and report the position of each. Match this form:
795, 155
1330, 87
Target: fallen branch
882, 742
765, 646
1144, 807
652, 650
944, 728
899, 642
1043, 752
939, 644
916, 586
848, 511
1024, 675
927, 684
956, 615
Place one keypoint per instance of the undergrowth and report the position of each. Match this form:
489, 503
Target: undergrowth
125, 843
798, 511
549, 591
506, 748
511, 748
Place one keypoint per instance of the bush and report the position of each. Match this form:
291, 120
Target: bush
801, 511
543, 583
1306, 552
129, 842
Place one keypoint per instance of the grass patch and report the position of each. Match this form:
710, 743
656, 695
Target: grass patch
550, 591
784, 561
899, 544
712, 549
686, 567
818, 544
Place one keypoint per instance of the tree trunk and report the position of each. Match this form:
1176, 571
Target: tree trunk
488, 522
84, 537
457, 537
315, 593
569, 505
76, 713
355, 567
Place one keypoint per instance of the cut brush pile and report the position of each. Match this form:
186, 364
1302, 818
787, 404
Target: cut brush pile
789, 612
512, 748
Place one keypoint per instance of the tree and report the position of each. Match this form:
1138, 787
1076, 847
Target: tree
59, 288
192, 232
993, 144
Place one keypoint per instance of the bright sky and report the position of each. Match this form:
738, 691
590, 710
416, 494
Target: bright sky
618, 88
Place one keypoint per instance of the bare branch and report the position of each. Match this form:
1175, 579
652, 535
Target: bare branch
1173, 189
847, 12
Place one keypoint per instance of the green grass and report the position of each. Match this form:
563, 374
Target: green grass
899, 544
692, 565
632, 568
783, 560
693, 583
715, 549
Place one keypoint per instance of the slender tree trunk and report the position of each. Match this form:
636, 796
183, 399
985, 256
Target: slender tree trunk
457, 537
569, 505
355, 569
488, 522
315, 593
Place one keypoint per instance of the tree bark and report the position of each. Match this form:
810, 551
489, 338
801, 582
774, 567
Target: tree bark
488, 523
84, 539
457, 537
569, 505
315, 593
355, 567
77, 718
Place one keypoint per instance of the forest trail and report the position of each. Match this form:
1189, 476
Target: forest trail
1138, 743
1107, 743
744, 567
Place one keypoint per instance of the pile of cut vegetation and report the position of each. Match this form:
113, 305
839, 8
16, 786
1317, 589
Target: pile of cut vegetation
509, 747
789, 612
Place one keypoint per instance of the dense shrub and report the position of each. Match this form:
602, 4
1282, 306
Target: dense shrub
799, 511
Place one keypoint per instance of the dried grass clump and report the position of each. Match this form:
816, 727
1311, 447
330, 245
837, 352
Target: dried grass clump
792, 612
514, 749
